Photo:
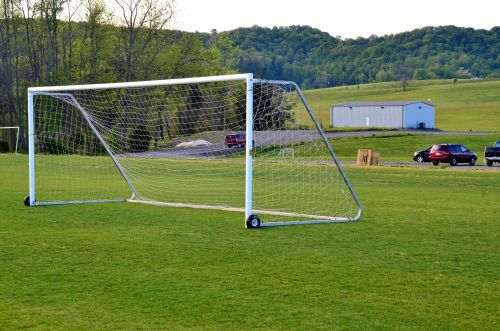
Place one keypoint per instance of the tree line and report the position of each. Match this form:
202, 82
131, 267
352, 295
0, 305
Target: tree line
59, 42
315, 59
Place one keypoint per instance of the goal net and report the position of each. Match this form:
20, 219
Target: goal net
228, 142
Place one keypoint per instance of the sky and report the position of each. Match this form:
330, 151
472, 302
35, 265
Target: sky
347, 19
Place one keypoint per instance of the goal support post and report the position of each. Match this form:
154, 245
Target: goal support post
249, 146
70, 126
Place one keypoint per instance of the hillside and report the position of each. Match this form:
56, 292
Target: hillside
463, 105
315, 59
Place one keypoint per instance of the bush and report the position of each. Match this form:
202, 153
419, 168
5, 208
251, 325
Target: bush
139, 139
50, 146
4, 147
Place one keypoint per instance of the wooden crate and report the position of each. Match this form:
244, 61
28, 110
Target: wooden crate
367, 157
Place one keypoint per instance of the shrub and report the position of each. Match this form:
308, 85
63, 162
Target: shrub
50, 146
139, 138
4, 147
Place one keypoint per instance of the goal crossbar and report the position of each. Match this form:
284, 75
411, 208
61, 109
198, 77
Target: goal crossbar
149, 83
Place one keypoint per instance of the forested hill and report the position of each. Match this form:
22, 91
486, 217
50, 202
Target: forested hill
316, 59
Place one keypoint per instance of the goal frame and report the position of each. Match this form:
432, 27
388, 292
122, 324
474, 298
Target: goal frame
249, 148
17, 136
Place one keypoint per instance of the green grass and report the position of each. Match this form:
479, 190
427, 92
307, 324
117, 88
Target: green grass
424, 256
279, 187
461, 106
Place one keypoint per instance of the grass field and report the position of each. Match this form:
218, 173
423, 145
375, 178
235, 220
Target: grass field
393, 146
424, 256
460, 106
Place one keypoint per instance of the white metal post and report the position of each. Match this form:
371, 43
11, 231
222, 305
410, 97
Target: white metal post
249, 147
31, 147
17, 139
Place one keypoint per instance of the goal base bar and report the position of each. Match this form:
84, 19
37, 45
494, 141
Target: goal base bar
318, 221
313, 219
76, 202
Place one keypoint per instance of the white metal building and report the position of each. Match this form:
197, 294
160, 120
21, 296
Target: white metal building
386, 114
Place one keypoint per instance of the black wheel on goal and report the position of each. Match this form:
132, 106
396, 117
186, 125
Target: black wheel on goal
253, 222
27, 201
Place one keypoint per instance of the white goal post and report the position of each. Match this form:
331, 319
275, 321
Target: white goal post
229, 142
16, 145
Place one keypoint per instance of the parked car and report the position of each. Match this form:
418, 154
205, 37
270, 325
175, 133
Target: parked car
422, 156
452, 154
236, 139
492, 154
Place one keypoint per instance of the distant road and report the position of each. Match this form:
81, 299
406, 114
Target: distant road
478, 166
266, 138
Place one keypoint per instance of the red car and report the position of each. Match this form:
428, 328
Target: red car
452, 154
237, 139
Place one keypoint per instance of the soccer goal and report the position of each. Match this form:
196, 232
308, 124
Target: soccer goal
7, 134
230, 142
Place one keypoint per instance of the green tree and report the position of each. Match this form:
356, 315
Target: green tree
139, 25
420, 74
227, 52
381, 76
93, 42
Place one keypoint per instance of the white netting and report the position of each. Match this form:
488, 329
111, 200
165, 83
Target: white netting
186, 144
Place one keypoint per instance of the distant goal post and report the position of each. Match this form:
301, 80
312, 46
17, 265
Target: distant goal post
10, 128
227, 142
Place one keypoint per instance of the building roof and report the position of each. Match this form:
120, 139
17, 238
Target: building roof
378, 103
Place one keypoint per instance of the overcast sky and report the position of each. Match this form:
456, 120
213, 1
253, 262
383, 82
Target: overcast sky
347, 18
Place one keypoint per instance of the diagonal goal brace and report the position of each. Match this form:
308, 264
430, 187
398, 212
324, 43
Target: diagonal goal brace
231, 143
